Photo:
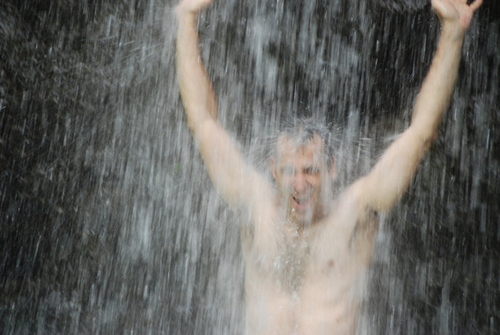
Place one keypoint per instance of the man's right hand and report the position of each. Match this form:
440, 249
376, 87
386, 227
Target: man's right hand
192, 6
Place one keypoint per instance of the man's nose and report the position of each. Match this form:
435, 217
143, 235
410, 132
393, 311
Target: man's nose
299, 182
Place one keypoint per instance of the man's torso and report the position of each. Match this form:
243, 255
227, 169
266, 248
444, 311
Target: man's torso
308, 282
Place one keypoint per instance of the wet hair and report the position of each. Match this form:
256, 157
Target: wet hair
302, 131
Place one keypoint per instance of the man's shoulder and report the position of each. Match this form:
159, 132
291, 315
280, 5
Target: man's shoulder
350, 210
262, 211
356, 194
351, 198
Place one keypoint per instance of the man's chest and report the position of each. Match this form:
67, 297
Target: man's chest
315, 256
332, 250
305, 287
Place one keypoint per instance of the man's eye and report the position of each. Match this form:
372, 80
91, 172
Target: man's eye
312, 170
288, 170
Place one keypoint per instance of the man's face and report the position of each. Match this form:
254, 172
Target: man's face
303, 179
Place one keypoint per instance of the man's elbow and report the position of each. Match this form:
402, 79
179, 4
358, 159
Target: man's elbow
424, 136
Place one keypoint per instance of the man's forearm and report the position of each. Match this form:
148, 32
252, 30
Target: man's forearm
434, 97
196, 90
435, 94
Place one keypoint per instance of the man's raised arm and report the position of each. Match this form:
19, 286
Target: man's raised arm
392, 174
196, 89
234, 179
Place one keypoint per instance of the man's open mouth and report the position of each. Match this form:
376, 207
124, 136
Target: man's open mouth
301, 202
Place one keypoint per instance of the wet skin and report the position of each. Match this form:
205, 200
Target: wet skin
303, 180
306, 255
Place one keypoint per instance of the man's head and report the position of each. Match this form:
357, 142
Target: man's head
303, 166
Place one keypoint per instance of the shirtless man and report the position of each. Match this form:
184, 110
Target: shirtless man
305, 252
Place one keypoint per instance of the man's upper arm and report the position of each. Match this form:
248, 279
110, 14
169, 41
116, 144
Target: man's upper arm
386, 183
237, 182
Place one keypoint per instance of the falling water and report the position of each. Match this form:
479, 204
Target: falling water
109, 223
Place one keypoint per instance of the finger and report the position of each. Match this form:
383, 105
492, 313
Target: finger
476, 4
